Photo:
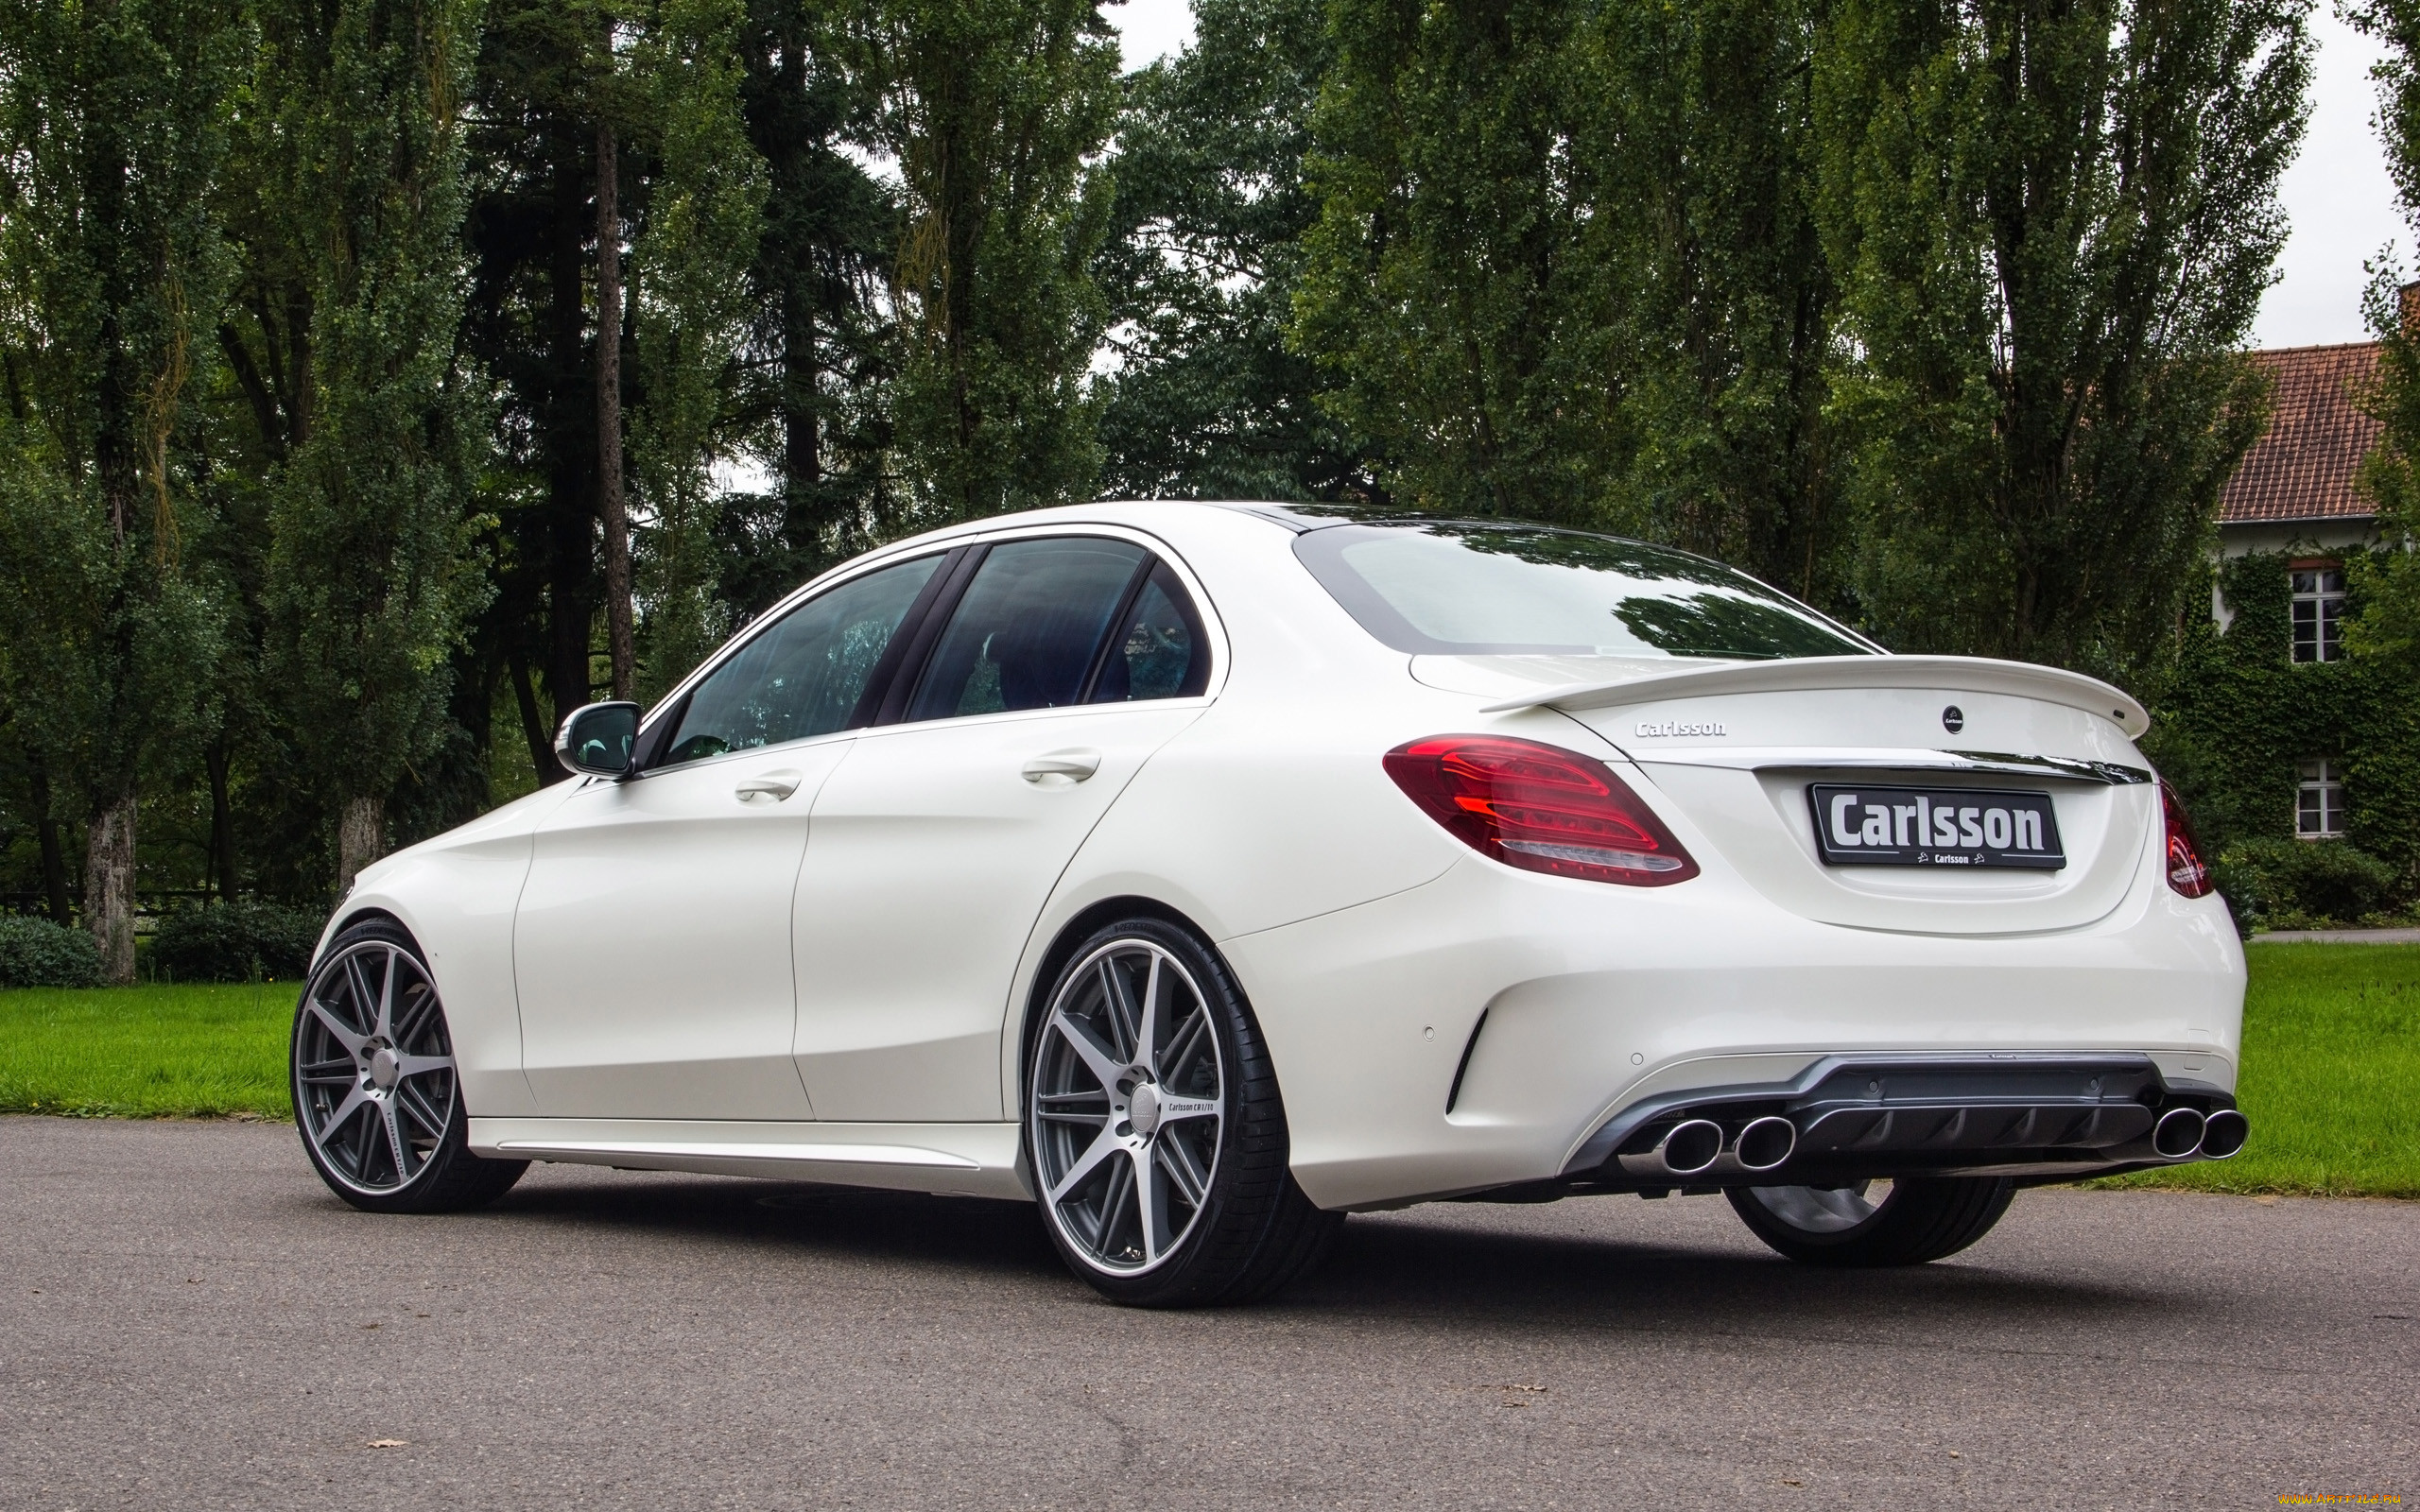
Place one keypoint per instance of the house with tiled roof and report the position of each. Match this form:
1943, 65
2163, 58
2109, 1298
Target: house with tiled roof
2292, 738
2300, 482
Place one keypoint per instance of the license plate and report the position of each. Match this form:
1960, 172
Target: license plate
1875, 826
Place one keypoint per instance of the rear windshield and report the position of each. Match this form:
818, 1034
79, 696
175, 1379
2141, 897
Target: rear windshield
1455, 588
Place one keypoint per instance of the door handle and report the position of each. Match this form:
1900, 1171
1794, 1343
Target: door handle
1075, 766
775, 785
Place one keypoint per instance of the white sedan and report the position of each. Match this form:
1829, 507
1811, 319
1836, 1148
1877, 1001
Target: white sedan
1205, 872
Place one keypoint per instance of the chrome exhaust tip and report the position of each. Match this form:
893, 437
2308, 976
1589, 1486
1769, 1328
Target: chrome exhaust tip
2178, 1133
1691, 1146
2223, 1133
1766, 1143
1688, 1147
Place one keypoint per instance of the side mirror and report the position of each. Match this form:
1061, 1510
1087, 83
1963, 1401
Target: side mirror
597, 739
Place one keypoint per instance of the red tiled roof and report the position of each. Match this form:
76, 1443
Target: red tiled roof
2304, 466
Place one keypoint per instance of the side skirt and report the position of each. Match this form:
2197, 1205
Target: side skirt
959, 1159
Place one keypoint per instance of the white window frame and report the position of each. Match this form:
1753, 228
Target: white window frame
2319, 801
2318, 610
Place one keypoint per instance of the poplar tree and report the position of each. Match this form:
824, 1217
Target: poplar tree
691, 300
992, 109
1461, 326
2051, 224
1697, 143
112, 118
368, 587
814, 390
2387, 623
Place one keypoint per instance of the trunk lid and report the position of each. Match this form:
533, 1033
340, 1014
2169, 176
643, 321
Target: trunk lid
1736, 746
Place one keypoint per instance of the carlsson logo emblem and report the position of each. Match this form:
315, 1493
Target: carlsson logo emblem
1952, 719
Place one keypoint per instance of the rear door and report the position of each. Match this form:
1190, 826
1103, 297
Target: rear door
1064, 664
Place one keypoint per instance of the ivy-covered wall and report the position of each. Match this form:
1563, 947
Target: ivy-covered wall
2234, 715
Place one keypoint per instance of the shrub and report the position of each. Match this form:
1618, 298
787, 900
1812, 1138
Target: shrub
234, 942
37, 952
2303, 884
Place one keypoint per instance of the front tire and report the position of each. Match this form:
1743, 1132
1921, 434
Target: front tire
1154, 1130
375, 1091
1911, 1223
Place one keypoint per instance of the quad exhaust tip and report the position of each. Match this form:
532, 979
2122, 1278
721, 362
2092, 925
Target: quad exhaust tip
2179, 1133
1697, 1145
2223, 1133
1766, 1143
1692, 1146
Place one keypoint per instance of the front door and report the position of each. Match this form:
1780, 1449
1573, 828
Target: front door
652, 945
1067, 663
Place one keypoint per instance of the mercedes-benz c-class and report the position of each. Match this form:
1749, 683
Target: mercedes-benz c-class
1204, 874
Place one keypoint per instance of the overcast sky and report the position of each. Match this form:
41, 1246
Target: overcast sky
2337, 195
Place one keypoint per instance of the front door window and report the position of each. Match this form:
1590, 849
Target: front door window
803, 676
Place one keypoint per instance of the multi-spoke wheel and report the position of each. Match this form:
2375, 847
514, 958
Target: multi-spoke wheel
375, 1090
1875, 1222
1146, 1072
1128, 1103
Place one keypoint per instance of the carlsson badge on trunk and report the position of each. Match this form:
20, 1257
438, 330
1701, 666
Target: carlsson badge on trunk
1952, 719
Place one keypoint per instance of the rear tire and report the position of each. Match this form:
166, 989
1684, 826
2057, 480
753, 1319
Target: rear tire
376, 1094
1919, 1221
1154, 1129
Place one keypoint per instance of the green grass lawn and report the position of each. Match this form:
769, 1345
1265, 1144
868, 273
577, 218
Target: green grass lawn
2331, 1077
147, 1052
2331, 1065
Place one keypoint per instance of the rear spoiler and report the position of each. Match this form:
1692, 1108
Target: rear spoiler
1958, 674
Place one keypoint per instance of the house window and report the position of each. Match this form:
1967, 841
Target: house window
2319, 807
2319, 607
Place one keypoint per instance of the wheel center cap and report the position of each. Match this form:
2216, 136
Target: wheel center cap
383, 1068
1143, 1109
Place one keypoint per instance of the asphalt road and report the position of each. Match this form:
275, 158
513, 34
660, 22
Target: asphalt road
187, 1319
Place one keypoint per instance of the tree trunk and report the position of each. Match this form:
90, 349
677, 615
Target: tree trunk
533, 725
54, 853
609, 413
361, 838
570, 436
109, 889
223, 818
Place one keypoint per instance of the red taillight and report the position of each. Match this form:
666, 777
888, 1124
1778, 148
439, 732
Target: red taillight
2186, 871
1540, 808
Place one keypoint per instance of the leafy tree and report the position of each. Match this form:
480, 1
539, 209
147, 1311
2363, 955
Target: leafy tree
112, 121
820, 351
992, 109
531, 123
1569, 268
1446, 293
692, 304
1696, 139
2388, 626
367, 583
1202, 264
2051, 224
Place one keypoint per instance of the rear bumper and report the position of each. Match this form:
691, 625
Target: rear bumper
1485, 1030
2034, 1116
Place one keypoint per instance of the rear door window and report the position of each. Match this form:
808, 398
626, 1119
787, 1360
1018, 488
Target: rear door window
1157, 650
1059, 621
1025, 632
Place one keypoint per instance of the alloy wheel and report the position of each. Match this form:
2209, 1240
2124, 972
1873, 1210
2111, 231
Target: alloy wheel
1128, 1106
374, 1070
